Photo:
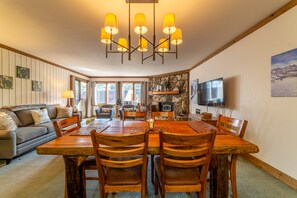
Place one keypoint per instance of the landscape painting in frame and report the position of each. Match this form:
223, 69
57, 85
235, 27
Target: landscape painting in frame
22, 72
36, 85
6, 82
194, 93
284, 74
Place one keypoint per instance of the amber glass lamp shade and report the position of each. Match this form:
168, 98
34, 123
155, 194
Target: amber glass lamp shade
169, 23
111, 24
122, 45
163, 47
105, 37
140, 24
176, 37
142, 45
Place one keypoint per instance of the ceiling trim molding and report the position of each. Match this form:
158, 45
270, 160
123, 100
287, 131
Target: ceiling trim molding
171, 73
260, 24
119, 76
43, 60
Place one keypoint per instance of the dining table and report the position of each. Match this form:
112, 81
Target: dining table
76, 146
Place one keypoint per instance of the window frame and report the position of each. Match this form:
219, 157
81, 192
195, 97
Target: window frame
80, 80
133, 88
106, 91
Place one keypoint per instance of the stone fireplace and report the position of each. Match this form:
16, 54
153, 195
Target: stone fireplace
166, 106
170, 93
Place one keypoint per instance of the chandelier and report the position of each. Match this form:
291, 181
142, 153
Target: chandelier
124, 46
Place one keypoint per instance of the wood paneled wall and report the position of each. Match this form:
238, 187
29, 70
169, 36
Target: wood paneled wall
54, 80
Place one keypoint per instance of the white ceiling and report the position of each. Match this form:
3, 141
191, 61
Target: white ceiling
67, 32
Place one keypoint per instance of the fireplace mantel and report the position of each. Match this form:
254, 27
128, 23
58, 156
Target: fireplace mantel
165, 92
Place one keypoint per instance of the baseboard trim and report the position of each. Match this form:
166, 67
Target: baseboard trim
290, 181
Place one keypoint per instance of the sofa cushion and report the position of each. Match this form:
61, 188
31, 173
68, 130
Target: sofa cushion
105, 110
129, 109
64, 112
25, 116
48, 125
24, 134
52, 110
6, 122
12, 115
40, 116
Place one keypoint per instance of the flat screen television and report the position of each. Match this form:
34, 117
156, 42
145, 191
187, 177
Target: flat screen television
211, 93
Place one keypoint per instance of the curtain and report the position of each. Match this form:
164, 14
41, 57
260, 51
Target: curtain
90, 99
118, 92
72, 87
144, 93
93, 102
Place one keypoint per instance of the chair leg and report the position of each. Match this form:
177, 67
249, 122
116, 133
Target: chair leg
233, 175
156, 184
152, 169
84, 182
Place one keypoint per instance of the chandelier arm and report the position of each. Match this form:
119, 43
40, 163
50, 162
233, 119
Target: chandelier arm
147, 40
161, 55
117, 52
154, 36
134, 49
119, 44
106, 48
161, 43
147, 57
129, 36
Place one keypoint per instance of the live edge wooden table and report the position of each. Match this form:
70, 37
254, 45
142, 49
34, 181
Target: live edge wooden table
76, 148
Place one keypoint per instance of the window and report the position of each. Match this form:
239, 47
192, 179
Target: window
131, 93
80, 91
105, 93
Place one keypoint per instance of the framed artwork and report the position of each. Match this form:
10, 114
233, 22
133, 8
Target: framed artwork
194, 91
36, 85
284, 74
6, 82
22, 72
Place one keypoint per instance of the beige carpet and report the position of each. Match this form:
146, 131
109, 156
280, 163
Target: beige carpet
41, 176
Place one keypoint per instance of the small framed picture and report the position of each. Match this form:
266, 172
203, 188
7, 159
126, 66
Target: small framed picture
6, 82
22, 72
36, 85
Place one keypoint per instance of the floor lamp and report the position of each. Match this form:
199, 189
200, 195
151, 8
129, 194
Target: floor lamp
68, 94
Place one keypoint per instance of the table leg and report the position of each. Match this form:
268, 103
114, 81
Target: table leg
73, 176
219, 176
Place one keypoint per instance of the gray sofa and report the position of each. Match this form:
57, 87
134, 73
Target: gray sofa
28, 135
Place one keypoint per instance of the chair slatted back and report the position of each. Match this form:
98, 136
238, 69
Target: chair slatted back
187, 150
232, 125
119, 151
164, 114
134, 114
60, 124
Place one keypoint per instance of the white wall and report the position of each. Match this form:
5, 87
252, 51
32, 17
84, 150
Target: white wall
246, 67
54, 80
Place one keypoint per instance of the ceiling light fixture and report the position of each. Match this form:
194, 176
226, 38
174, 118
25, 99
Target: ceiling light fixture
124, 46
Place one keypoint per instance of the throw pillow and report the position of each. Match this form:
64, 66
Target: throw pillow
64, 112
105, 110
129, 109
40, 116
6, 122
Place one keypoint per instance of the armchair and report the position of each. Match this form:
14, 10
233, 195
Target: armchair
105, 111
127, 107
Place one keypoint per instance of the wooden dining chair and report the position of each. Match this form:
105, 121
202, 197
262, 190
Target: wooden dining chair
183, 162
236, 127
164, 114
121, 162
169, 115
134, 114
63, 127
